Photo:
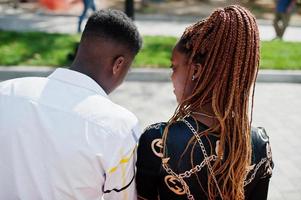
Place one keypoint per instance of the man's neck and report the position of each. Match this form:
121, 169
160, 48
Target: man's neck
82, 68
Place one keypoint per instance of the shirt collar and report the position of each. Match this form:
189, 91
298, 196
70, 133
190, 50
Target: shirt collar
78, 79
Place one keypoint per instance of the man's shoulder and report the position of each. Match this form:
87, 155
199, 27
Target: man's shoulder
101, 111
123, 115
125, 112
99, 105
22, 80
22, 85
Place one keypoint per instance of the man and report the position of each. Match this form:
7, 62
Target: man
87, 5
61, 137
283, 14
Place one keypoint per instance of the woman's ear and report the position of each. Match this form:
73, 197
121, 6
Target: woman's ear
197, 69
118, 65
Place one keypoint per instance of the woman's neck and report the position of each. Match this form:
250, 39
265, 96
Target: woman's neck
205, 115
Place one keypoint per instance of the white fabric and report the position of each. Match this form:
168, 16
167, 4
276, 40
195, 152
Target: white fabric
62, 138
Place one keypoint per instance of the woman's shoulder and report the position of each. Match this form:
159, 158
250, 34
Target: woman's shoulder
150, 150
151, 136
156, 130
261, 147
262, 162
153, 131
155, 127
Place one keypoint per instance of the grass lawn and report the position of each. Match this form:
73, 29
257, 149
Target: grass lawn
44, 49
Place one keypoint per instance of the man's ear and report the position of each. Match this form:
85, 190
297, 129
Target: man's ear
118, 65
197, 69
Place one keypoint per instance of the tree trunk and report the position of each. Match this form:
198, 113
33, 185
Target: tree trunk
129, 9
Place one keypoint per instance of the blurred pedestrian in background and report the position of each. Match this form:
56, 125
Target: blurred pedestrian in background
87, 5
283, 13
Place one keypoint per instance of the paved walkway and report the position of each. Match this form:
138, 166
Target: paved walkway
277, 108
147, 24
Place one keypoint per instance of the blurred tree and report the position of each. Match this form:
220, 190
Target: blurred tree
130, 9
145, 3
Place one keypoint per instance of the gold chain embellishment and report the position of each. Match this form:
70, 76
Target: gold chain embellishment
172, 183
157, 144
266, 160
204, 153
180, 179
186, 174
198, 168
207, 159
263, 160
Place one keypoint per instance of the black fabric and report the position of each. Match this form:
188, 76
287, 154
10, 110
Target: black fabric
152, 179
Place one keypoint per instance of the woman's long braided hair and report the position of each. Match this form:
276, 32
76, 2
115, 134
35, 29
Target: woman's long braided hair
226, 44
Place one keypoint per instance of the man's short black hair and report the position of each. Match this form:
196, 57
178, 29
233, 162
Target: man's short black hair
114, 25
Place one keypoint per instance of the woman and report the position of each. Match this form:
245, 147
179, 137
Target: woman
207, 150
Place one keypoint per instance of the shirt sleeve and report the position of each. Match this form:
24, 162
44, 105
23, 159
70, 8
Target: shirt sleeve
261, 171
148, 164
120, 177
266, 153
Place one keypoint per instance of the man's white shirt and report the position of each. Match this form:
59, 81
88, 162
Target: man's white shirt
62, 138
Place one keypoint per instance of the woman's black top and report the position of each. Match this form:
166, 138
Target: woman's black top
153, 182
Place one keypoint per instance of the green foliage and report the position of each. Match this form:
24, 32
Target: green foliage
45, 49
280, 55
156, 51
35, 48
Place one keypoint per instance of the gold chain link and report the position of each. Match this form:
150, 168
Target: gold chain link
205, 155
